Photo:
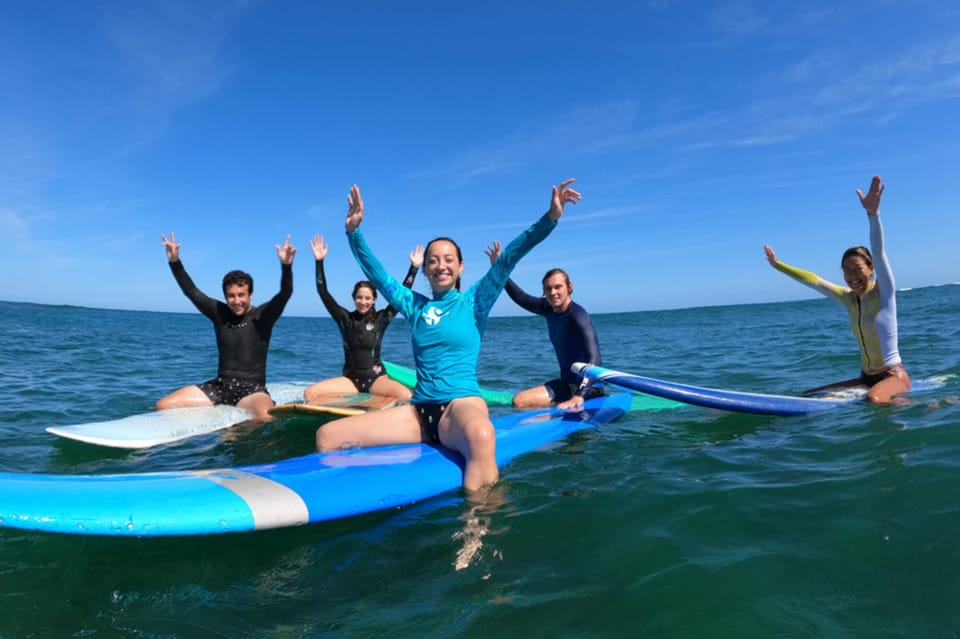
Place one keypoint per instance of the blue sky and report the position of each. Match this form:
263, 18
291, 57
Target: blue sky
697, 132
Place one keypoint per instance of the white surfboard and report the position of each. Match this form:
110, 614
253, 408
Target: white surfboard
168, 426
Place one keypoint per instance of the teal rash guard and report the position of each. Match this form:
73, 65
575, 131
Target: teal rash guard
447, 329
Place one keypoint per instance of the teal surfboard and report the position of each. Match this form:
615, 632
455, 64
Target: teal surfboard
408, 377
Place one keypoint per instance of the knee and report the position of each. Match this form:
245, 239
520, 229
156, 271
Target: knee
324, 442
483, 439
328, 440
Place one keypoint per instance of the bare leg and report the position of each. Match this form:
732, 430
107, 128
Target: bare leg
258, 404
327, 388
383, 385
466, 428
536, 397
185, 397
397, 425
884, 390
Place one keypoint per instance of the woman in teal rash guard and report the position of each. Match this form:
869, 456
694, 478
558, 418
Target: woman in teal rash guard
872, 305
446, 407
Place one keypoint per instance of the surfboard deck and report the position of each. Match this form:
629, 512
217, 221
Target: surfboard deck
157, 428
309, 489
167, 426
345, 406
744, 402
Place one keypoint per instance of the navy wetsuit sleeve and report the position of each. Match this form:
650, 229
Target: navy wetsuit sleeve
590, 344
336, 311
524, 300
204, 303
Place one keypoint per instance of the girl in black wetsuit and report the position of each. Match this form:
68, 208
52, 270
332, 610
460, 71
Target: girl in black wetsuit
362, 333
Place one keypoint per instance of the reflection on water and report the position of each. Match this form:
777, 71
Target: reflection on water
481, 506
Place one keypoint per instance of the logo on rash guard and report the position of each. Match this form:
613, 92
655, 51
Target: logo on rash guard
432, 316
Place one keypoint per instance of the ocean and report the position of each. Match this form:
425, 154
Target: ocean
687, 522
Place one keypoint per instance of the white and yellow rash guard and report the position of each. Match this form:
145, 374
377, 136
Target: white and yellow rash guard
873, 317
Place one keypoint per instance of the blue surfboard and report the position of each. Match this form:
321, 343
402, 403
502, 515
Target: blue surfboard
292, 492
757, 403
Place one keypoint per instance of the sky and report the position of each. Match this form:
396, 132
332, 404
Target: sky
697, 132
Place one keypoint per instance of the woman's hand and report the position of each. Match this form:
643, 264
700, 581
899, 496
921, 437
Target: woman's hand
354, 210
871, 201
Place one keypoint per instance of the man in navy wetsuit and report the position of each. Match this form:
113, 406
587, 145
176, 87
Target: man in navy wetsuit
572, 334
243, 336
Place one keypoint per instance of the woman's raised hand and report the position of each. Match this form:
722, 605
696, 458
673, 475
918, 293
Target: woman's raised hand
355, 210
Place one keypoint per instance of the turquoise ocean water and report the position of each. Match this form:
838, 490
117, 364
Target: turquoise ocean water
679, 523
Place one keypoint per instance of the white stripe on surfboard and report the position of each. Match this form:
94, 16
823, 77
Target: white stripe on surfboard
272, 505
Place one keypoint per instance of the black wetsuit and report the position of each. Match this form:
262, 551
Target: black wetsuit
362, 335
574, 339
242, 342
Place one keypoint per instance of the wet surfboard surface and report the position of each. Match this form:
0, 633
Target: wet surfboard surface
292, 492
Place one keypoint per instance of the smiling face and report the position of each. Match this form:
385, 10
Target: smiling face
556, 290
443, 265
237, 297
857, 273
364, 298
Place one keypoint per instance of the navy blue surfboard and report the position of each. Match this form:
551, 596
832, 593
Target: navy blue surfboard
758, 403
292, 492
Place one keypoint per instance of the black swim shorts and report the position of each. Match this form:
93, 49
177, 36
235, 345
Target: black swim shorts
876, 378
429, 415
561, 391
230, 390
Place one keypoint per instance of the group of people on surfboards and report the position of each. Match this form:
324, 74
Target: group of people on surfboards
445, 406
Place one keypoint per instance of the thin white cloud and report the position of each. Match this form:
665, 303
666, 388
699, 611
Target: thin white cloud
13, 223
571, 216
581, 131
114, 242
25, 162
739, 19
575, 217
171, 53
811, 94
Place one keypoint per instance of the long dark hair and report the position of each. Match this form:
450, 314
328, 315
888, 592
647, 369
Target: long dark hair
426, 252
363, 284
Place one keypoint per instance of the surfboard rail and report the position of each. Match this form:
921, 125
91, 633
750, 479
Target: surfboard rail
292, 492
738, 401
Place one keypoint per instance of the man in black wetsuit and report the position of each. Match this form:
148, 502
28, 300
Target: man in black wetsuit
243, 336
572, 334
